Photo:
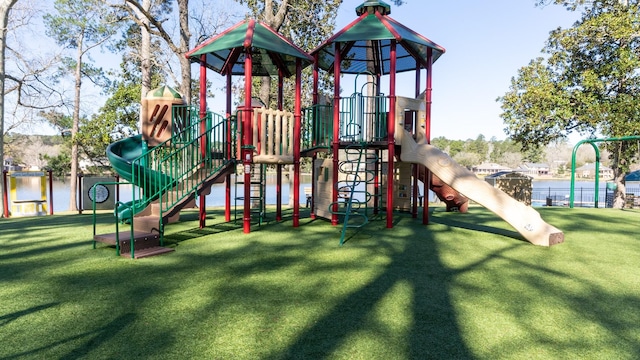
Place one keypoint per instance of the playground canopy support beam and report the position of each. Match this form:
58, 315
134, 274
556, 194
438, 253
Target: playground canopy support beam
336, 133
227, 185
427, 130
391, 134
597, 170
202, 216
247, 151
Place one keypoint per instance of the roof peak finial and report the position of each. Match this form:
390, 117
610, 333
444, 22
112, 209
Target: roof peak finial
371, 6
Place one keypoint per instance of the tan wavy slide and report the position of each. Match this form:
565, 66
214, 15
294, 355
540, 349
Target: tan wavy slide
523, 218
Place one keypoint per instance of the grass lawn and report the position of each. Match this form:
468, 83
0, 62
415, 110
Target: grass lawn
465, 287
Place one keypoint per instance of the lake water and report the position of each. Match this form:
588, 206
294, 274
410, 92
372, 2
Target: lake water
28, 188
557, 190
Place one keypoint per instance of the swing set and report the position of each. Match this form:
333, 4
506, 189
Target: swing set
592, 142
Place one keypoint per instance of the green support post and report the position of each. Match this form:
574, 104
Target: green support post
597, 170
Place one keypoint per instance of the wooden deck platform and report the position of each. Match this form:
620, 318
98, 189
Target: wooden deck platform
145, 244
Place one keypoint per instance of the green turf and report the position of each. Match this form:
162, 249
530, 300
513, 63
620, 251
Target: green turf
466, 287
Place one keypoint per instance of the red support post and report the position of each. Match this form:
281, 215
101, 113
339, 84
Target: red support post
427, 98
227, 182
391, 125
376, 185
415, 167
296, 144
203, 130
312, 130
247, 151
336, 132
316, 77
279, 167
79, 194
50, 174
5, 197
279, 192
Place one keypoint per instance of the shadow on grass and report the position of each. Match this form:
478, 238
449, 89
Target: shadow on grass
458, 221
96, 337
177, 233
254, 289
434, 332
7, 318
413, 261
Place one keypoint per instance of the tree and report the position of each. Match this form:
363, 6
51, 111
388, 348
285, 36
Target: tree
141, 12
589, 84
467, 159
119, 116
307, 24
480, 147
5, 7
29, 73
144, 52
150, 16
74, 27
30, 67
505, 152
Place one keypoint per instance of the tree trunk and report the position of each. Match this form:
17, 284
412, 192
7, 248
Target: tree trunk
73, 205
619, 194
179, 50
185, 64
145, 60
5, 7
274, 20
265, 91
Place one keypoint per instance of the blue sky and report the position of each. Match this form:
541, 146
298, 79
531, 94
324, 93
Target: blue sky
486, 43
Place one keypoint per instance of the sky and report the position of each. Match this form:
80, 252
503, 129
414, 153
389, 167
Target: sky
486, 43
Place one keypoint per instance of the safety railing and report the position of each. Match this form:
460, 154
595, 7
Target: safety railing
363, 118
317, 127
273, 135
174, 170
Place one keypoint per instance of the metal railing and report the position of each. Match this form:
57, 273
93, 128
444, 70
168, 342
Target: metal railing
362, 119
583, 197
317, 127
175, 169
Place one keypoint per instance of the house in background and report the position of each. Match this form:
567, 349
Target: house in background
588, 170
10, 166
488, 169
534, 169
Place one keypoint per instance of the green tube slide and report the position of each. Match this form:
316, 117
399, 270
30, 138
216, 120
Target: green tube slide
122, 155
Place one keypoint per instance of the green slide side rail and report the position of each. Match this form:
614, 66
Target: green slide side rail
124, 155
163, 171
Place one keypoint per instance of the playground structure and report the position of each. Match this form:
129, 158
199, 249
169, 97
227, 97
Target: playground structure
592, 142
28, 207
377, 145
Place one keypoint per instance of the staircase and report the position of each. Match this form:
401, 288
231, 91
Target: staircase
175, 173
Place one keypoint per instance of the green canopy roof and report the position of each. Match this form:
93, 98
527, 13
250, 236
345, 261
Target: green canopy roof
164, 92
366, 45
270, 51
